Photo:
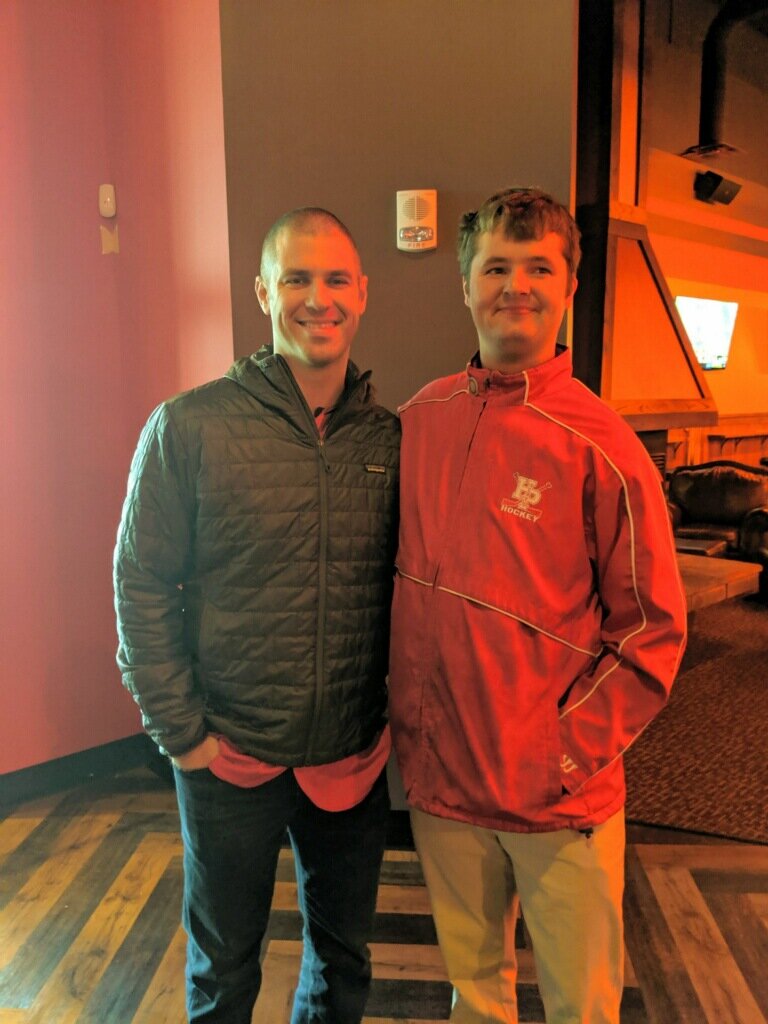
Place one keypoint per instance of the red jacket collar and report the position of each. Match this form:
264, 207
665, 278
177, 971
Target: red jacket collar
526, 385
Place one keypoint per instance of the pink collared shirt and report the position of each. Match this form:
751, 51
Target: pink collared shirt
331, 787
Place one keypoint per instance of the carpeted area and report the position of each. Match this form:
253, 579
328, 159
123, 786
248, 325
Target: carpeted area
702, 765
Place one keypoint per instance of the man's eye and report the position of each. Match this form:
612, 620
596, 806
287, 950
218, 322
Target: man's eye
294, 279
339, 282
495, 270
542, 270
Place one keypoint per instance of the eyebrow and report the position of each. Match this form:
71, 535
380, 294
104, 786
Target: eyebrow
345, 271
491, 260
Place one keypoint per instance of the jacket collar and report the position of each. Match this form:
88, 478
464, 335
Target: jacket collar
268, 378
526, 385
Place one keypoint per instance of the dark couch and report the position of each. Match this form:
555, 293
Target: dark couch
723, 500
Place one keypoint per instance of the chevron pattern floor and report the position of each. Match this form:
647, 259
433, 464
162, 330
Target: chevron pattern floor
90, 884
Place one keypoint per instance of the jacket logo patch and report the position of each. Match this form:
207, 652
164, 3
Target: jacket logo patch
527, 496
567, 765
370, 468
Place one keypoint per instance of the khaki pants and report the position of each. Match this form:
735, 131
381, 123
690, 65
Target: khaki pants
570, 889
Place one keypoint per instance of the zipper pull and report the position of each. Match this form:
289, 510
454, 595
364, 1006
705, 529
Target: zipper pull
588, 833
321, 453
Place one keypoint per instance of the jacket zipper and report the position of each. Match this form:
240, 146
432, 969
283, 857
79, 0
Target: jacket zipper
322, 475
323, 472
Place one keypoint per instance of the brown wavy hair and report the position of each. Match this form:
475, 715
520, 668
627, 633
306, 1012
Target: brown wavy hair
522, 214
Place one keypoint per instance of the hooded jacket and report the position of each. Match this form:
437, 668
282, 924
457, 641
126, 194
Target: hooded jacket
253, 569
538, 618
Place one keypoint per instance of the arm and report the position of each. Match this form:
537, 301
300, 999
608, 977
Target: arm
643, 628
152, 559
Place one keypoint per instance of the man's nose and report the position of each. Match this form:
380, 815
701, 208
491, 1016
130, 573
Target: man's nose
517, 281
317, 295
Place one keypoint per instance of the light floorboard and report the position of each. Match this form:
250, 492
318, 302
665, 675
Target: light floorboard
697, 924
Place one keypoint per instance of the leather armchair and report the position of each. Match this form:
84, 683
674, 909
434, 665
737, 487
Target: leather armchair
726, 501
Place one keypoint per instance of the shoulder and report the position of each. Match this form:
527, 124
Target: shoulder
579, 410
387, 422
615, 444
204, 406
206, 398
443, 389
376, 413
372, 423
178, 419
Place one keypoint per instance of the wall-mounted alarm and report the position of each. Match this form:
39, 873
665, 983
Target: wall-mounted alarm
417, 219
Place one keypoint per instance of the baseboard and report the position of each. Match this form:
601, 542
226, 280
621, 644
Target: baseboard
132, 752
75, 769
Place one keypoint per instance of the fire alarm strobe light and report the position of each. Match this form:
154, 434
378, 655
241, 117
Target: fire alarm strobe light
417, 220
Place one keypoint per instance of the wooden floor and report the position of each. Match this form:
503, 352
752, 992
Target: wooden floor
90, 885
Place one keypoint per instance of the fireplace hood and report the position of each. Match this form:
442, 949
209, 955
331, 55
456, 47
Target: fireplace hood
630, 345
650, 374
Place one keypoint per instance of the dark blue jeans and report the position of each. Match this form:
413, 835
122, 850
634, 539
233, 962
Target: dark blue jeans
232, 838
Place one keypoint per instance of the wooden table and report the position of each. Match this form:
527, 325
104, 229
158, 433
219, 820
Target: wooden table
700, 546
711, 580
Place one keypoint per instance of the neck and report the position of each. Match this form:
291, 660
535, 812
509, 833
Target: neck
320, 385
509, 363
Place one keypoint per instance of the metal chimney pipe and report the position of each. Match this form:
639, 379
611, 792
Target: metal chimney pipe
713, 62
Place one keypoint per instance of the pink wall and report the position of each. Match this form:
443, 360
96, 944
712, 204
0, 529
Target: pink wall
94, 91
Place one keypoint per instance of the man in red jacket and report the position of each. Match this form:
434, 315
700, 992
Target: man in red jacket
538, 624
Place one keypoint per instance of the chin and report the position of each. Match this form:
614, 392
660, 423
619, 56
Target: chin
322, 359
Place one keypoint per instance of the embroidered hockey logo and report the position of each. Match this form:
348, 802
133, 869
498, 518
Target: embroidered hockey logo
526, 498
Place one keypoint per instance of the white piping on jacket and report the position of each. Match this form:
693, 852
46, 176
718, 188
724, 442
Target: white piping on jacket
501, 611
633, 560
430, 401
413, 579
625, 489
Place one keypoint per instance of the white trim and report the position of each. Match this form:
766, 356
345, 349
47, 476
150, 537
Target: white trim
518, 618
501, 611
413, 579
430, 401
625, 489
589, 694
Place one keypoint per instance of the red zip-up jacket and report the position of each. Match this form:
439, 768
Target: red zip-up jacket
539, 618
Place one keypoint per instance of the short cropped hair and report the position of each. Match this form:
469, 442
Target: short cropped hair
522, 214
307, 219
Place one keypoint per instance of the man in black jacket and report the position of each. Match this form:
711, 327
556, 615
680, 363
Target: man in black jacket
253, 576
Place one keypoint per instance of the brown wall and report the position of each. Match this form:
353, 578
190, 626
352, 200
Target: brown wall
342, 103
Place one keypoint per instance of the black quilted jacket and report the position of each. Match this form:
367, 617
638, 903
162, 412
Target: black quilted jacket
253, 569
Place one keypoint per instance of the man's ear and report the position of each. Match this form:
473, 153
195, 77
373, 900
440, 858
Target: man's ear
262, 294
574, 286
363, 293
465, 288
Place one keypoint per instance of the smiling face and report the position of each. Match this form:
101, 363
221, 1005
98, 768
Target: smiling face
518, 292
314, 292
